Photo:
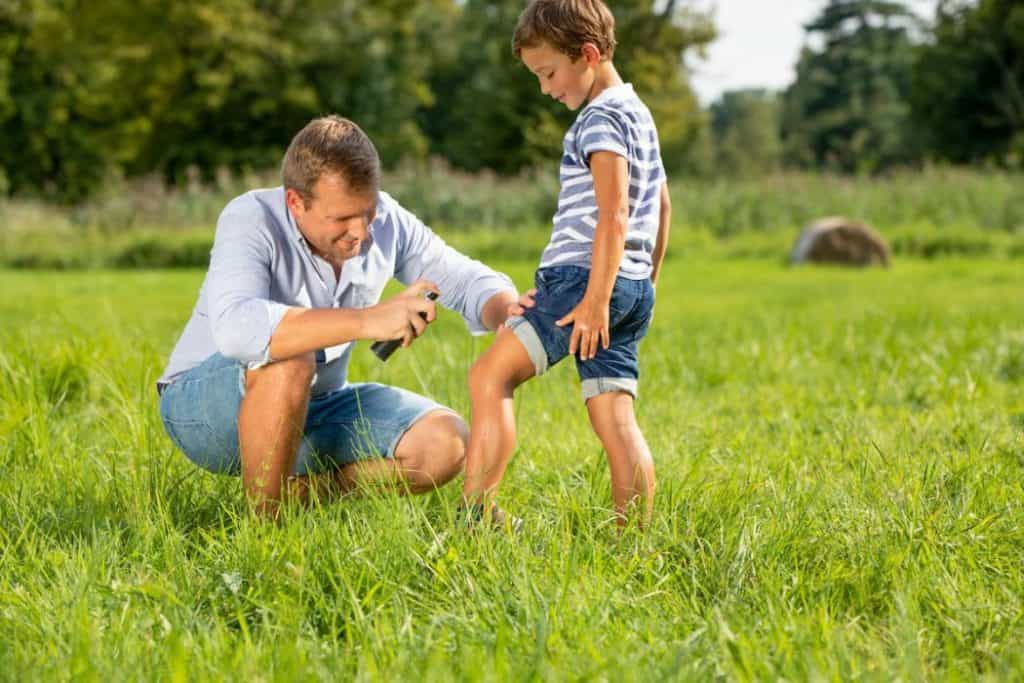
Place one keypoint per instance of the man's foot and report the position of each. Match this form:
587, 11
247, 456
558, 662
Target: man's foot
477, 515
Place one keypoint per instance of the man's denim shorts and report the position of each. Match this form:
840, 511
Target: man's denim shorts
199, 410
559, 290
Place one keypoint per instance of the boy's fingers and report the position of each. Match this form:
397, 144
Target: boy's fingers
606, 337
566, 320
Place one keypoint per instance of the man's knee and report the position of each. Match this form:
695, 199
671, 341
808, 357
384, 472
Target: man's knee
290, 375
433, 451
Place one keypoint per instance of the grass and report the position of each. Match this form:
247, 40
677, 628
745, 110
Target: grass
931, 214
839, 456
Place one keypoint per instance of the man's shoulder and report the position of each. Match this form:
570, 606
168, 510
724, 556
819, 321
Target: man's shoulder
261, 210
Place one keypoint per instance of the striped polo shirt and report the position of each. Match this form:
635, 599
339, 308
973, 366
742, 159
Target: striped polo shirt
615, 121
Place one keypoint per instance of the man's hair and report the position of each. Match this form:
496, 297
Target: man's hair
566, 25
330, 144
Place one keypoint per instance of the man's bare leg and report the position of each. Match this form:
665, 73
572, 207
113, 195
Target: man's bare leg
271, 421
632, 469
429, 455
492, 437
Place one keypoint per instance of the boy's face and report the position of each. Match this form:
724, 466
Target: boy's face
561, 78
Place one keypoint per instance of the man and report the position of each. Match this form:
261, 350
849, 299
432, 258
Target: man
257, 383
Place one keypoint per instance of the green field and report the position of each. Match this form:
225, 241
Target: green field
840, 461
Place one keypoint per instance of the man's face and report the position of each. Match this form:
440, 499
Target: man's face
337, 220
560, 77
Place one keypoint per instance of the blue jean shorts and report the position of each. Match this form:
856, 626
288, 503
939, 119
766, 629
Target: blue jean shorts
559, 290
199, 410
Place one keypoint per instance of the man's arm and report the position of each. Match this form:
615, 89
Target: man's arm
302, 330
664, 226
484, 297
590, 317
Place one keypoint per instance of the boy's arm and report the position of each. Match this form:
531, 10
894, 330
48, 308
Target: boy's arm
590, 317
664, 225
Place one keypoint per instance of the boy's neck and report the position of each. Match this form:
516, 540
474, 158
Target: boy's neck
605, 76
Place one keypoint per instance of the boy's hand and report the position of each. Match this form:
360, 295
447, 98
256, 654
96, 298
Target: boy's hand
590, 328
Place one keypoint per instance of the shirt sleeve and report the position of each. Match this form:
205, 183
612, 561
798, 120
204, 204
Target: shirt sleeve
242, 316
466, 284
601, 132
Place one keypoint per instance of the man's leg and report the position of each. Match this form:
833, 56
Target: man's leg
632, 469
427, 456
270, 426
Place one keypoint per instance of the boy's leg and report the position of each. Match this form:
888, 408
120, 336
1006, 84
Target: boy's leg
632, 469
492, 433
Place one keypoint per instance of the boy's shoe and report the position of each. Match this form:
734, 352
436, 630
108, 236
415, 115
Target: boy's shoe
475, 515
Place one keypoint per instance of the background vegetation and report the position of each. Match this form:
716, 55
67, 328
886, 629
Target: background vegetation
185, 88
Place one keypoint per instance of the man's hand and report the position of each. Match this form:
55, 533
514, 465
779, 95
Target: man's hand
590, 327
519, 307
404, 316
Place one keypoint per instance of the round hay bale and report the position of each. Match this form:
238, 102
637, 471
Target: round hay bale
841, 241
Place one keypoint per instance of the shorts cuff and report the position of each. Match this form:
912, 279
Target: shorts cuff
603, 385
393, 446
523, 329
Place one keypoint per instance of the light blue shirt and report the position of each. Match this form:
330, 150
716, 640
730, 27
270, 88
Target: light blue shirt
261, 266
615, 121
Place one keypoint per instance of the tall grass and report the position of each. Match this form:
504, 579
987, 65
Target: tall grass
934, 213
839, 497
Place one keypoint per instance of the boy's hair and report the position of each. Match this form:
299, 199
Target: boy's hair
566, 25
330, 144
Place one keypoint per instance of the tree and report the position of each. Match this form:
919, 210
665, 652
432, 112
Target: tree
490, 114
968, 82
847, 108
745, 124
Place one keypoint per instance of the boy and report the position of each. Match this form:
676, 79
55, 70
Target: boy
595, 281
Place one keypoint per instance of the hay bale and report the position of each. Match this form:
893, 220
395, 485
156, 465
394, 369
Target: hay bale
841, 241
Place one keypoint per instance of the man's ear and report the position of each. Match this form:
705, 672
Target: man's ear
591, 54
294, 201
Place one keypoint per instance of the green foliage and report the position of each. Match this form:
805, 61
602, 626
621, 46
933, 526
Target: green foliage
934, 214
847, 109
91, 89
968, 90
839, 497
746, 132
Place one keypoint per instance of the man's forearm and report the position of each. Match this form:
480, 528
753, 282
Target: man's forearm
309, 329
495, 309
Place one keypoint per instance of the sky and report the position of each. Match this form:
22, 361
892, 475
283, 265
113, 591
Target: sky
758, 44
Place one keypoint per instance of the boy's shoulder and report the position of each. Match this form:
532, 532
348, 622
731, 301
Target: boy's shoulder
619, 104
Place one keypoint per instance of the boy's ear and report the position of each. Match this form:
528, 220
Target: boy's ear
591, 54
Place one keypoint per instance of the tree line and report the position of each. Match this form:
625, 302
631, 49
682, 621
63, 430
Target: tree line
91, 88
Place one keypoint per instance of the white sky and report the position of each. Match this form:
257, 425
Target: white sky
758, 43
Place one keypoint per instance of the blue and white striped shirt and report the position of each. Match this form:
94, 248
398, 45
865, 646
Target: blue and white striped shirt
615, 121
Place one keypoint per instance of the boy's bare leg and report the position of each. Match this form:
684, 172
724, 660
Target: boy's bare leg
492, 433
632, 468
270, 424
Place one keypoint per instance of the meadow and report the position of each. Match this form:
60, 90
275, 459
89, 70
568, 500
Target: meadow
840, 462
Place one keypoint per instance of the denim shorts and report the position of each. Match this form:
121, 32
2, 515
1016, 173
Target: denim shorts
199, 410
559, 290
